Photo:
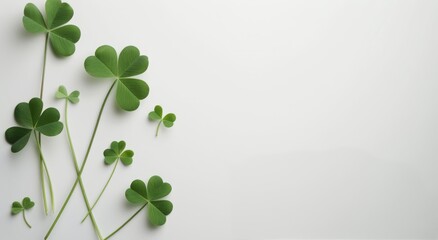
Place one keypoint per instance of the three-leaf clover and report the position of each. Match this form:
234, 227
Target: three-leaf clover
18, 207
62, 93
117, 151
157, 115
113, 154
31, 118
105, 64
150, 196
62, 37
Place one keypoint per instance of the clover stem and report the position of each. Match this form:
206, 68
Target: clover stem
78, 179
43, 167
127, 221
103, 190
158, 128
25, 220
44, 66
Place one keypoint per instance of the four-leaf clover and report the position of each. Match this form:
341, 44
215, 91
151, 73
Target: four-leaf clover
157, 115
62, 37
18, 207
105, 64
62, 93
30, 117
150, 196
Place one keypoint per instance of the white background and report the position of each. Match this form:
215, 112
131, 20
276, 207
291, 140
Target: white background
295, 119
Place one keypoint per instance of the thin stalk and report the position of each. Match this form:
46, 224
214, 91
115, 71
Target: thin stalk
25, 220
44, 66
158, 128
39, 134
127, 221
44, 166
103, 190
78, 179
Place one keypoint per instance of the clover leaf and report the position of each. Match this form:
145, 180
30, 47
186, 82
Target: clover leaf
62, 93
157, 115
18, 207
116, 152
151, 196
113, 154
105, 64
31, 117
62, 37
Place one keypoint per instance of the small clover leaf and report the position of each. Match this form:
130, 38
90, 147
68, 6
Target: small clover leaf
113, 154
151, 196
62, 37
31, 117
18, 207
116, 151
157, 115
62, 93
105, 64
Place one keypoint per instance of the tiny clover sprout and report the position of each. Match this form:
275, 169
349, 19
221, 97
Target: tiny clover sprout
30, 117
18, 207
157, 115
105, 64
113, 154
150, 197
62, 93
62, 37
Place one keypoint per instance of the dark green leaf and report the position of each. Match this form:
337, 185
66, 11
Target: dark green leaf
103, 64
63, 40
169, 119
157, 188
27, 203
33, 20
110, 156
58, 13
126, 157
16, 208
49, 123
17, 137
137, 193
131, 63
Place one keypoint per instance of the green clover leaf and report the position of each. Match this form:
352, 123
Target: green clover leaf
105, 64
151, 196
157, 115
62, 37
116, 151
18, 207
31, 117
62, 93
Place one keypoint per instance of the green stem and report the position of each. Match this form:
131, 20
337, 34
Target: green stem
43, 185
127, 221
158, 128
44, 66
78, 179
103, 190
25, 220
44, 166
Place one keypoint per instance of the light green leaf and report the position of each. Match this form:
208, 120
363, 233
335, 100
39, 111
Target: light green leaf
27, 203
169, 119
61, 93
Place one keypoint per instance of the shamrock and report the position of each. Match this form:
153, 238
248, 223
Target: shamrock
116, 152
105, 64
156, 189
62, 37
157, 115
63, 94
113, 154
30, 117
18, 207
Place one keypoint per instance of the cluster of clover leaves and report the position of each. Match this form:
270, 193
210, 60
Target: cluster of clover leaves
34, 122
